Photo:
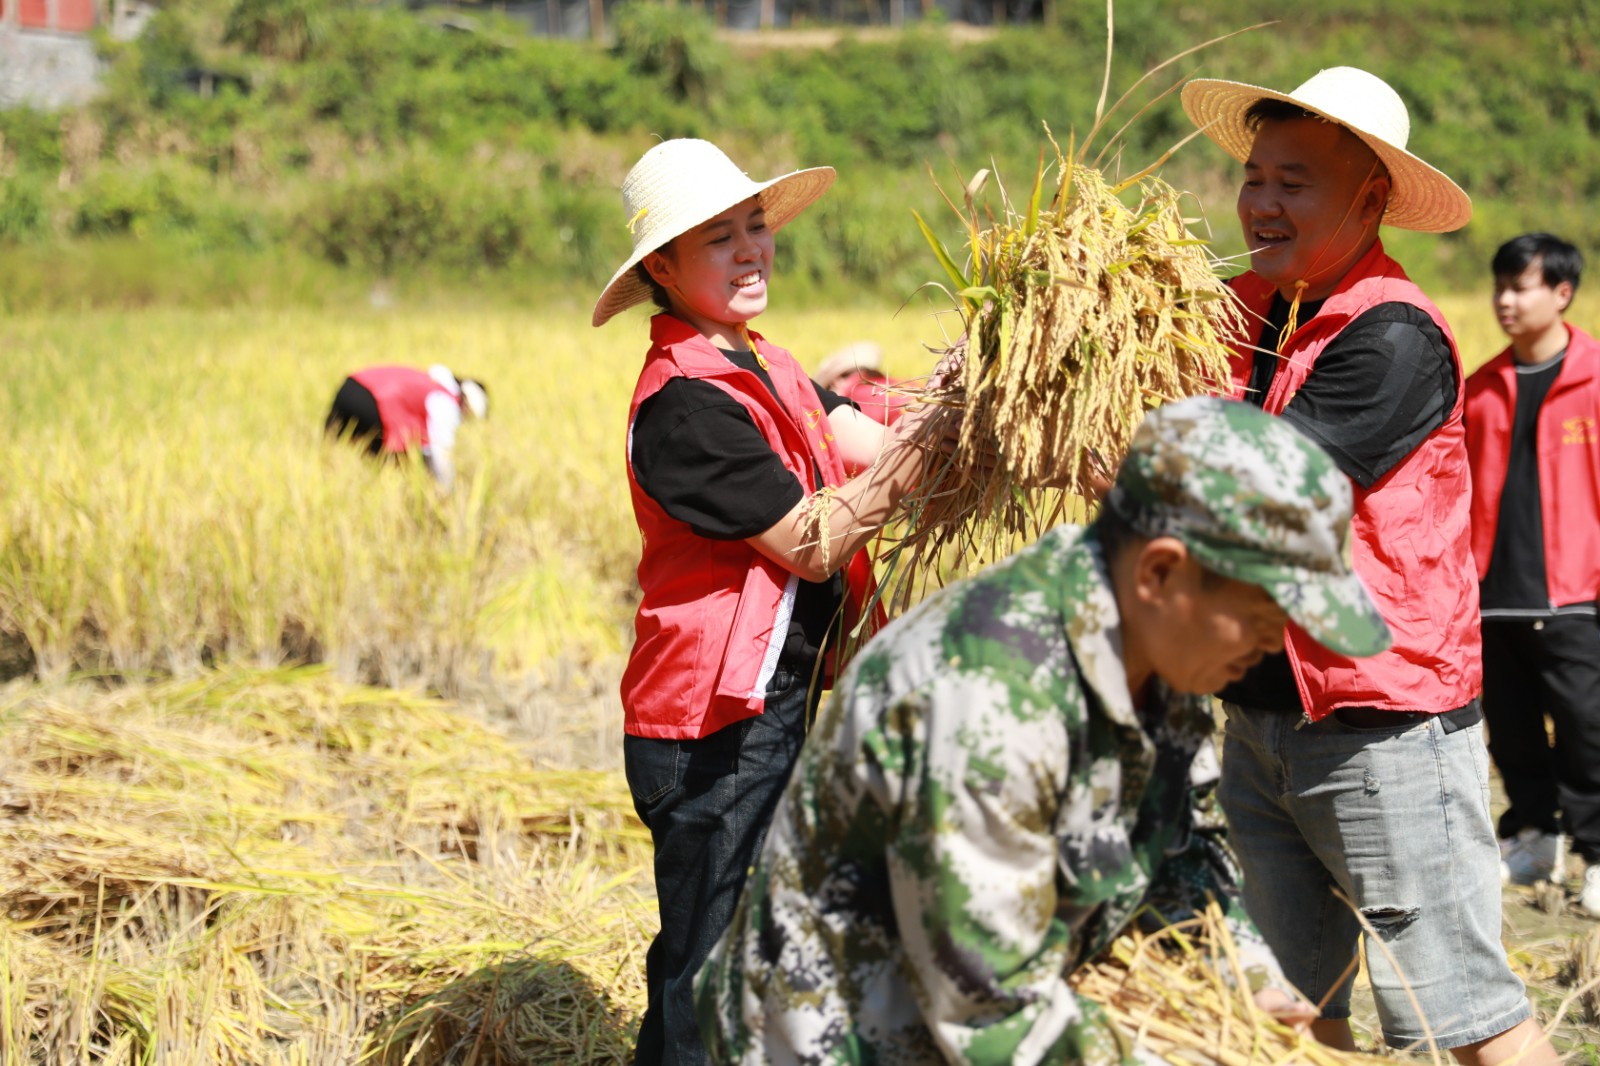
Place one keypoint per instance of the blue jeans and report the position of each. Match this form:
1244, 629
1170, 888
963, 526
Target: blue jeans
708, 803
1396, 817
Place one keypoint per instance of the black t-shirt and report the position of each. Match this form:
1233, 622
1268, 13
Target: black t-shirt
1382, 385
1516, 577
696, 451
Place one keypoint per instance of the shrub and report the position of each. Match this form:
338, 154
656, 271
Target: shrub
22, 207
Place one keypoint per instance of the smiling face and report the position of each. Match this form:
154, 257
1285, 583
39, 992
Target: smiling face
1529, 309
1312, 198
716, 273
1197, 631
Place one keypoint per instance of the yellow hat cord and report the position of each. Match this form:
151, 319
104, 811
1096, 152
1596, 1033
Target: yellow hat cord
1294, 317
761, 360
1300, 286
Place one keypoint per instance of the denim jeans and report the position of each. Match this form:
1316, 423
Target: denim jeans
1395, 817
708, 803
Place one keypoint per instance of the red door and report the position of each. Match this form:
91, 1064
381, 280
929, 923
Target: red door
73, 16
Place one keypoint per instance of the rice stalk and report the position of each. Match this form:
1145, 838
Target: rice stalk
1581, 970
1084, 309
1180, 994
273, 867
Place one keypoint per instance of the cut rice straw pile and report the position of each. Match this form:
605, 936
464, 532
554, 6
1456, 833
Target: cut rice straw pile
270, 867
1168, 991
1084, 307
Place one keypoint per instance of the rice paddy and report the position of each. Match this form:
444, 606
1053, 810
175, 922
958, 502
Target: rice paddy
417, 848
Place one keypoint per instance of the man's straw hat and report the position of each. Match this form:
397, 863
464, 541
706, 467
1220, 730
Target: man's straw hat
679, 184
1421, 198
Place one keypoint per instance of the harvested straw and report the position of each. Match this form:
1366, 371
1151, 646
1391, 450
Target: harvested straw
271, 867
1179, 994
1082, 313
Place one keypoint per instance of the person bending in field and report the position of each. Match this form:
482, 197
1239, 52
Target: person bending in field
392, 409
1533, 435
1001, 784
728, 444
1365, 780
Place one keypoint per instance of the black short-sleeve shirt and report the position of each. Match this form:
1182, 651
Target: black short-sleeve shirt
696, 451
1378, 388
1516, 581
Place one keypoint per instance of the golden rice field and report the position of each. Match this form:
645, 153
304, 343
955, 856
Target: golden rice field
417, 849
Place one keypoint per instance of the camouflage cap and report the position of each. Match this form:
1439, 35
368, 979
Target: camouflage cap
1255, 500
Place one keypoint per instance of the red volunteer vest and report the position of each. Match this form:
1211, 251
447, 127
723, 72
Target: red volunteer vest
401, 393
1567, 440
871, 394
715, 614
1410, 535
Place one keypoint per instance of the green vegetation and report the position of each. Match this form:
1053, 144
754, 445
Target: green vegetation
332, 143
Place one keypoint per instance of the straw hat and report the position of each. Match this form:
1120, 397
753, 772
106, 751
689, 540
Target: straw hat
851, 359
1420, 198
679, 184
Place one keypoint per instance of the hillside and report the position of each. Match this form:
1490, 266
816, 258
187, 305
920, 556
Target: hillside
293, 150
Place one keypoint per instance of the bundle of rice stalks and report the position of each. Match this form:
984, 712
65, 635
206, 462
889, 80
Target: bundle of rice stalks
1084, 306
1181, 996
272, 867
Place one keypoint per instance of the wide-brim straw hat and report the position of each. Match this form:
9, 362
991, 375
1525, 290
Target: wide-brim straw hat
681, 183
1420, 198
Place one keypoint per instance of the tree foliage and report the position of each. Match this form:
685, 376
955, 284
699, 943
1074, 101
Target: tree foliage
389, 139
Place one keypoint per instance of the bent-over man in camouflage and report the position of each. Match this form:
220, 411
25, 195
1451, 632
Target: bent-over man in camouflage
1003, 777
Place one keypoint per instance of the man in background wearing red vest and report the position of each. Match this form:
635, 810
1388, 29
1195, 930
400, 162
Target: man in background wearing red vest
1533, 435
1365, 779
396, 408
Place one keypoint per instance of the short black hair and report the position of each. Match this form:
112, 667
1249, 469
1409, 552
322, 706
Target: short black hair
1559, 260
1114, 533
1268, 110
658, 292
1116, 536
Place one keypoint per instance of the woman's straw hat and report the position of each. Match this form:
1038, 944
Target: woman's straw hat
679, 184
1420, 198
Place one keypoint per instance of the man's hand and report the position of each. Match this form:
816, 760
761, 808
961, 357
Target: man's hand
1289, 1009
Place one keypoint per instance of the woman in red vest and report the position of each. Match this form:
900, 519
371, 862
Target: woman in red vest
729, 444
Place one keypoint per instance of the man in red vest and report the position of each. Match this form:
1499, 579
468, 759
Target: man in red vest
1356, 789
1533, 436
392, 409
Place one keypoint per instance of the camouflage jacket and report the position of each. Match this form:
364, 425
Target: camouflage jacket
979, 810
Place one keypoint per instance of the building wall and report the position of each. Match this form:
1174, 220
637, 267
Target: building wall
45, 69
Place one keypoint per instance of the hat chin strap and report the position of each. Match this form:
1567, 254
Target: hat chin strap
744, 331
1293, 323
